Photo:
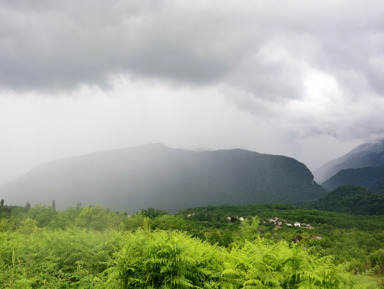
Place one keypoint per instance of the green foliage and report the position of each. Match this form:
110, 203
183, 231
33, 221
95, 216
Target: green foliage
42, 214
278, 265
27, 226
347, 237
4, 225
351, 199
93, 247
249, 228
163, 259
222, 238
170, 222
95, 218
65, 219
327, 220
153, 213
377, 261
134, 222
59, 259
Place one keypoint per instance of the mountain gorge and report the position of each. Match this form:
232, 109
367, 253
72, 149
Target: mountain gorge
169, 179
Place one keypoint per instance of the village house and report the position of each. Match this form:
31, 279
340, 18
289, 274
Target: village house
281, 223
234, 219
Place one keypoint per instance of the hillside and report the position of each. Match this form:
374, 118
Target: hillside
164, 178
365, 155
371, 178
353, 200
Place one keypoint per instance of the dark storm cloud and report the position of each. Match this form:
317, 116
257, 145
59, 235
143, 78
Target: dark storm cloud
262, 47
305, 66
66, 43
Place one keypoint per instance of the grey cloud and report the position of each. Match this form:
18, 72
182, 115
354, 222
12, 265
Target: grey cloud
197, 73
60, 47
61, 44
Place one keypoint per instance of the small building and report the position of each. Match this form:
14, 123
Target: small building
297, 224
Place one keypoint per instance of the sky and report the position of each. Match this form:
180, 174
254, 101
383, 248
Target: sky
298, 78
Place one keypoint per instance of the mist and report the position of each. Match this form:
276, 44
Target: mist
296, 78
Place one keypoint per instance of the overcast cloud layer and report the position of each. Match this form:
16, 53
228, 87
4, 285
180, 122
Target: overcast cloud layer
299, 78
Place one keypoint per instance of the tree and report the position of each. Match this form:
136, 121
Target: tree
42, 214
64, 219
27, 226
377, 260
4, 225
97, 218
153, 213
170, 222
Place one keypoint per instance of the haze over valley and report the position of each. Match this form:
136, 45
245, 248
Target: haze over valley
168, 179
171, 179
296, 78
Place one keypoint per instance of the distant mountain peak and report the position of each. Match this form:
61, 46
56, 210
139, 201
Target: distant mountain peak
155, 145
365, 155
375, 147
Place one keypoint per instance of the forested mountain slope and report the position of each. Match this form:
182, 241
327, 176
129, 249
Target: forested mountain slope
371, 178
353, 200
164, 178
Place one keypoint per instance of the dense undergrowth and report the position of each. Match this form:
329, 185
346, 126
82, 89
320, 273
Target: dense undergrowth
91, 247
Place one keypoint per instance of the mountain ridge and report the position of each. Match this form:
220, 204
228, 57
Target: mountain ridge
365, 155
154, 175
371, 178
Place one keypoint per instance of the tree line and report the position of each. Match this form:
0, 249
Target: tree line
93, 247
